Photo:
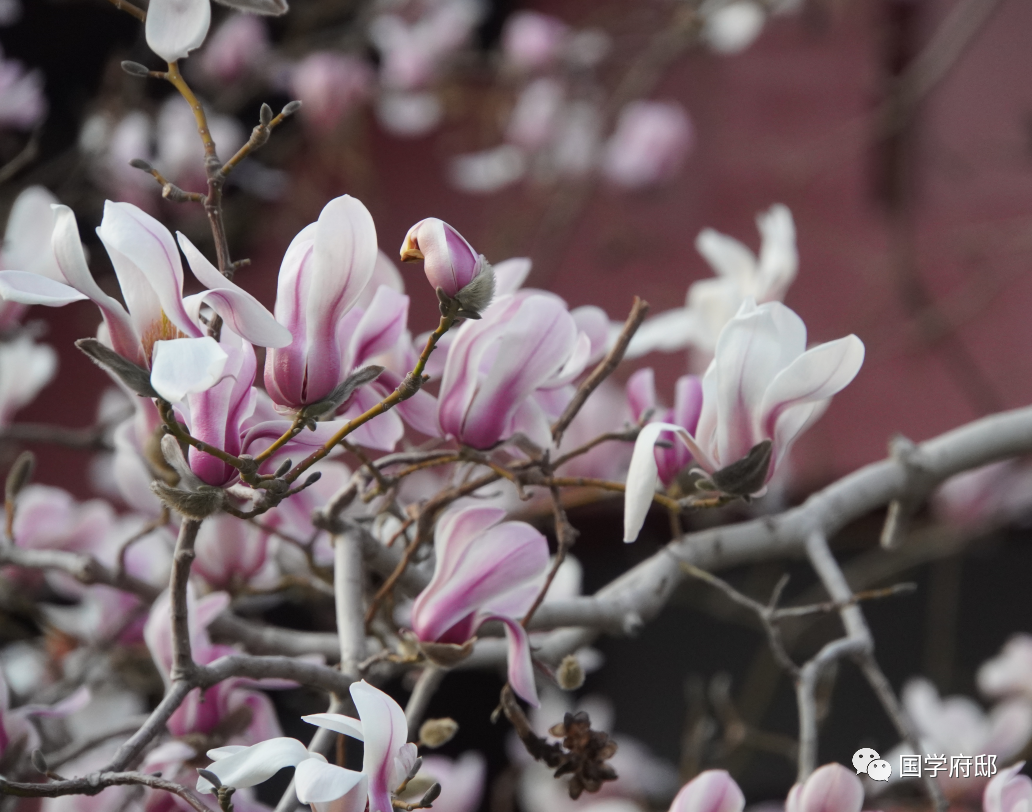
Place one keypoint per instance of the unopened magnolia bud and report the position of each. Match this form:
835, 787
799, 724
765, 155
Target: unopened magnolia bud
135, 68
19, 475
265, 115
449, 261
39, 761
290, 108
139, 163
417, 765
436, 733
570, 675
197, 504
210, 777
285, 466
747, 475
431, 795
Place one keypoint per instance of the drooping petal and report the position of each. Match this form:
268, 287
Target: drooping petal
185, 366
665, 332
381, 326
316, 782
338, 723
29, 234
386, 732
727, 256
710, 791
34, 289
253, 765
521, 667
176, 27
245, 315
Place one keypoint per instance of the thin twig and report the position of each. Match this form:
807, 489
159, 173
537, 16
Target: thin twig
129, 8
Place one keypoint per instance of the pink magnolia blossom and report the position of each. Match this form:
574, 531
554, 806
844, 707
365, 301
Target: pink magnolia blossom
649, 146
330, 85
641, 395
160, 329
537, 114
513, 369
387, 758
230, 553
17, 734
485, 569
762, 386
238, 46
532, 41
986, 497
324, 271
709, 791
1008, 791
831, 788
449, 261
22, 102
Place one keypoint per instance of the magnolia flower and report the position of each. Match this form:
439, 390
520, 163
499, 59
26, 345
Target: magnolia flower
533, 41
641, 396
831, 788
731, 27
331, 85
450, 263
324, 271
512, 370
760, 393
230, 552
22, 102
1008, 791
712, 303
483, 571
237, 47
161, 330
174, 28
649, 145
957, 725
27, 243
408, 114
709, 791
387, 758
25, 368
1010, 672
536, 115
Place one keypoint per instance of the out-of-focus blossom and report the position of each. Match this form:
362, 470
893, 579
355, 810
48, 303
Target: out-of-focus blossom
230, 553
25, 368
641, 395
180, 153
575, 149
731, 27
488, 171
710, 791
1008, 791
324, 271
462, 781
536, 114
831, 788
22, 103
763, 386
27, 243
10, 12
532, 41
408, 114
1010, 672
512, 370
957, 725
605, 411
712, 303
387, 758
485, 570
330, 84
990, 496
649, 145
17, 734
238, 47
161, 329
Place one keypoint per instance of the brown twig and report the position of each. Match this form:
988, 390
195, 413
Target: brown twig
639, 310
129, 8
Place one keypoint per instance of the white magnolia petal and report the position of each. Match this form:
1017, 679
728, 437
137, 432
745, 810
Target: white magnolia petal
665, 332
338, 723
779, 257
32, 288
510, 274
185, 366
643, 474
728, 257
252, 765
27, 239
176, 27
318, 782
245, 315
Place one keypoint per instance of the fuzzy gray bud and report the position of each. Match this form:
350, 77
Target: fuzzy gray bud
135, 68
340, 394
748, 475
265, 115
430, 795
570, 675
417, 765
210, 777
436, 733
290, 108
285, 466
477, 295
139, 163
199, 504
132, 375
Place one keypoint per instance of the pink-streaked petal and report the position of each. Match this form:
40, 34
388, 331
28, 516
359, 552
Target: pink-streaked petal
418, 411
521, 667
831, 788
1008, 791
255, 764
456, 531
594, 323
185, 366
710, 791
318, 782
245, 315
641, 393
148, 245
176, 27
386, 732
384, 433
336, 722
31, 288
380, 327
